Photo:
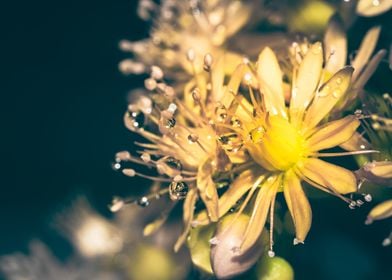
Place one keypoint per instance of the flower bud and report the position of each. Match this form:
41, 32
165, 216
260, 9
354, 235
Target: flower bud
274, 269
225, 260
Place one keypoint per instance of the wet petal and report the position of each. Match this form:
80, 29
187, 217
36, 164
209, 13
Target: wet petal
188, 210
370, 8
257, 220
355, 143
298, 205
236, 190
328, 95
270, 77
335, 43
333, 134
307, 80
381, 211
207, 190
332, 177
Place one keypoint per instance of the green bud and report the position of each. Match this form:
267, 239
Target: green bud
150, 262
199, 246
275, 268
310, 17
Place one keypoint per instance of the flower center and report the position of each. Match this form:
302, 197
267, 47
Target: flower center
276, 145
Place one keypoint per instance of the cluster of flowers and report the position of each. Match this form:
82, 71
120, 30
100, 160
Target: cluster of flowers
228, 130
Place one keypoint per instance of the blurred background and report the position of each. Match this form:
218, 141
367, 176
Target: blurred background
63, 99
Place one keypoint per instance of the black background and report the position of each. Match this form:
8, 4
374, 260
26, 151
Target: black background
62, 101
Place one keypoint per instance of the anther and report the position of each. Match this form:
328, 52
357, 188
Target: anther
146, 157
156, 73
207, 62
117, 204
190, 55
192, 138
129, 172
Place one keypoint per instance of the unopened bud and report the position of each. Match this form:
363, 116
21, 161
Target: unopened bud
226, 259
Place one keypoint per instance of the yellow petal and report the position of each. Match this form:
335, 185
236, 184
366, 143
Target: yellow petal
188, 211
307, 80
271, 85
332, 134
366, 49
355, 143
332, 177
370, 8
236, 190
328, 95
335, 43
381, 211
298, 205
261, 207
207, 190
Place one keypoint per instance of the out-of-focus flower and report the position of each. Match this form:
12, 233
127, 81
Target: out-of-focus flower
379, 212
285, 141
336, 57
42, 264
187, 29
370, 8
92, 234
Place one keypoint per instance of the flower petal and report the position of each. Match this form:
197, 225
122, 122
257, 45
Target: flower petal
355, 143
365, 50
257, 220
381, 211
188, 210
333, 134
207, 190
368, 8
271, 84
298, 205
236, 190
307, 80
335, 43
328, 95
332, 177
379, 172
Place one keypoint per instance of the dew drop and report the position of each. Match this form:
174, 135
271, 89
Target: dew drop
368, 198
116, 166
173, 163
143, 201
178, 190
271, 253
136, 119
192, 138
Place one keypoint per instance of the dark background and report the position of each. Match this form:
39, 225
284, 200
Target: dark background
61, 123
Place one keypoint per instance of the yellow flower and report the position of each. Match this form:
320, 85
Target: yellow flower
187, 152
285, 141
370, 8
186, 29
379, 212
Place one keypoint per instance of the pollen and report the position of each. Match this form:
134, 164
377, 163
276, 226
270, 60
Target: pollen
276, 146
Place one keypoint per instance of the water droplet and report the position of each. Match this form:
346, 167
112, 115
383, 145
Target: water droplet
116, 166
271, 253
336, 93
173, 163
136, 119
368, 198
192, 138
221, 113
178, 190
143, 201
